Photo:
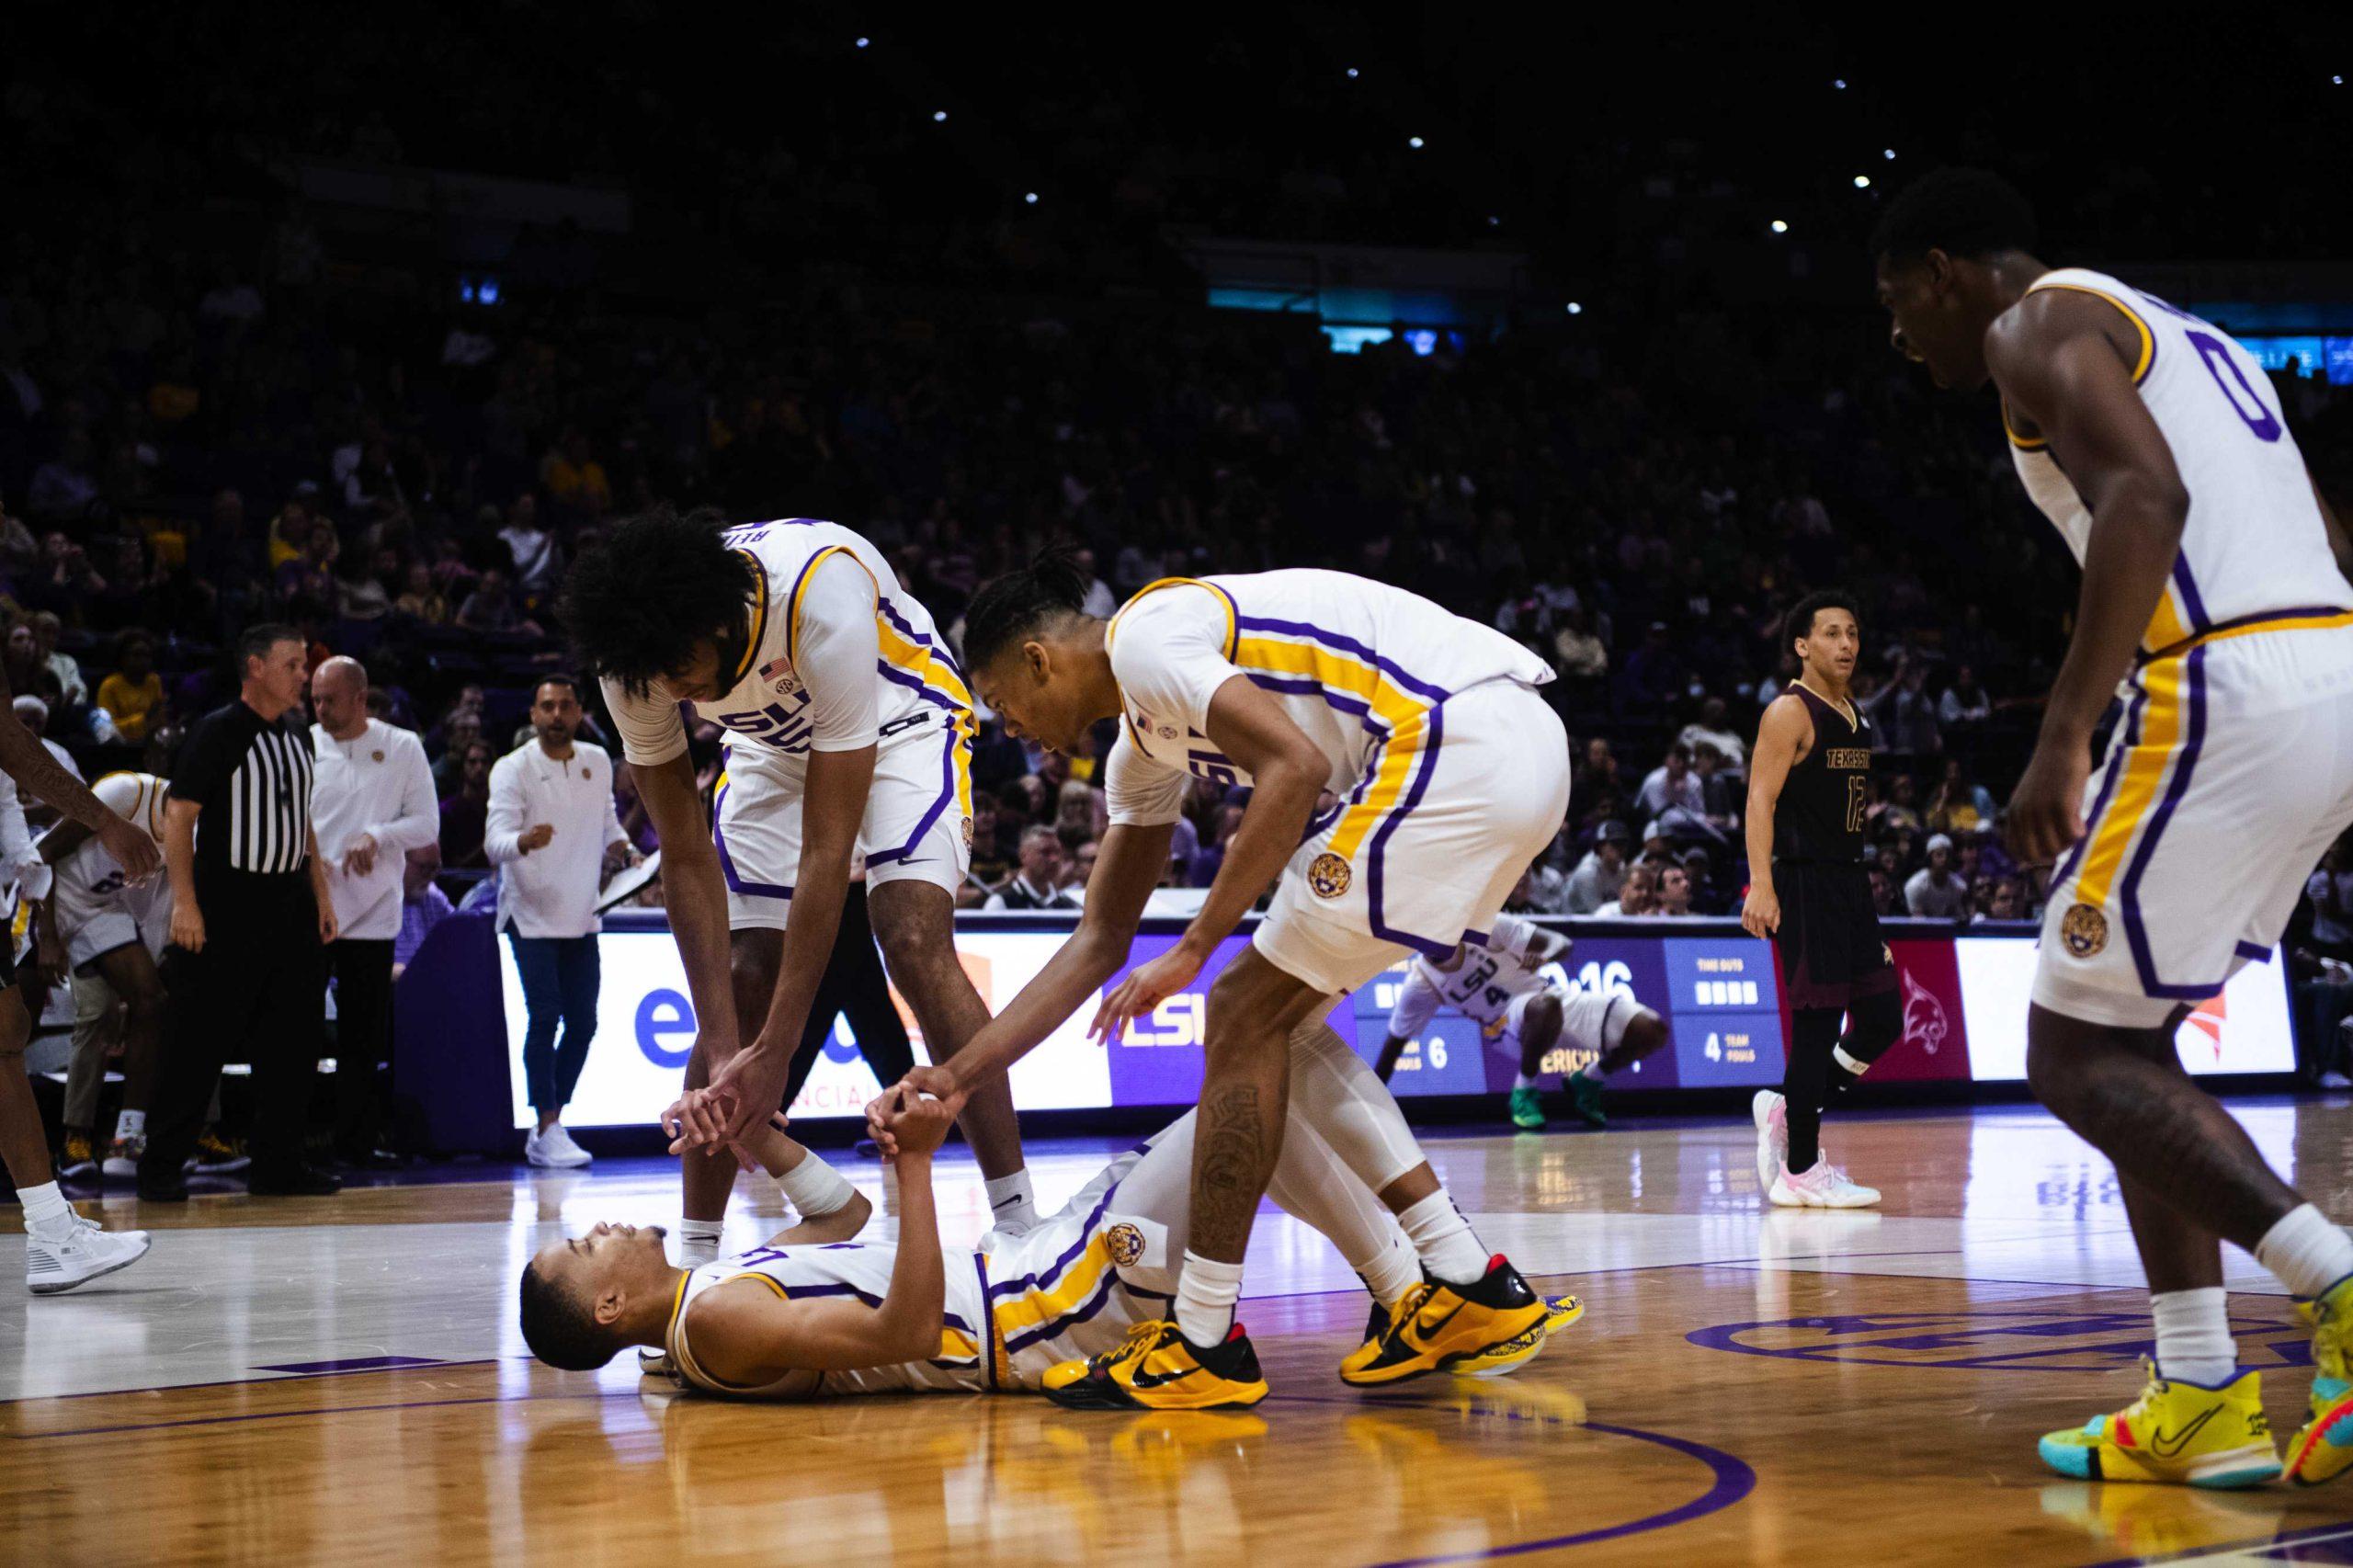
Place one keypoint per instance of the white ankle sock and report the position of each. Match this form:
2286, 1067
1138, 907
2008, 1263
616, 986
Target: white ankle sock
1523, 1081
1012, 1204
131, 1124
46, 1209
2194, 1344
1390, 1272
699, 1242
1206, 1294
2307, 1251
1443, 1237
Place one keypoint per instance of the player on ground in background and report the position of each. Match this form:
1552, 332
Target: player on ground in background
1810, 890
114, 931
1451, 775
1501, 987
62, 1249
849, 731
2214, 609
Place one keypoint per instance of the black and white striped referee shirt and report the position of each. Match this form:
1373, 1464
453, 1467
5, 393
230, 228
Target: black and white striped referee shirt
251, 780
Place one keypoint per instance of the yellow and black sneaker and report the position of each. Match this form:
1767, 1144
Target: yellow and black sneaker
1559, 1312
1156, 1368
1490, 1326
216, 1156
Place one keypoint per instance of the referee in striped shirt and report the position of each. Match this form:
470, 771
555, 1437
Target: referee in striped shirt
251, 918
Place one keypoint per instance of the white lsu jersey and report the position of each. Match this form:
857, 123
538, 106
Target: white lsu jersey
2253, 548
1359, 666
837, 658
1052, 1294
88, 880
1482, 987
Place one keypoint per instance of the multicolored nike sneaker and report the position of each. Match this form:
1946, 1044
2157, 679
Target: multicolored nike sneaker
2324, 1448
2175, 1432
1437, 1325
1527, 1109
1509, 1356
1156, 1368
1585, 1098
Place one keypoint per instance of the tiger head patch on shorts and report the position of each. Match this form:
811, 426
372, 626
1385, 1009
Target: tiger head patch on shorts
1328, 876
1124, 1244
2084, 930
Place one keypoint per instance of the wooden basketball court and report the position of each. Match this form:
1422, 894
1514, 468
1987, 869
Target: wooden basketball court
342, 1381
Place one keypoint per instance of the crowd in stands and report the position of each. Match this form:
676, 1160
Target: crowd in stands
220, 403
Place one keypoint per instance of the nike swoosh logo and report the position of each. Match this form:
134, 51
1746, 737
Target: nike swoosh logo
1003, 1202
2167, 1448
1424, 1328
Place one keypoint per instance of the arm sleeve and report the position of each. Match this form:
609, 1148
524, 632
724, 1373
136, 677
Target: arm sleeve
836, 650
1416, 1005
1140, 792
204, 763
652, 729
1168, 654
418, 821
503, 823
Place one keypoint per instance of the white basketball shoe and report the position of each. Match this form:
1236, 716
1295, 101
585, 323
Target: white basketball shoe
1771, 1114
78, 1255
1823, 1187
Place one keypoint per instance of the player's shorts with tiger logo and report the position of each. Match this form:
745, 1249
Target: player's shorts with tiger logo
2228, 776
1482, 788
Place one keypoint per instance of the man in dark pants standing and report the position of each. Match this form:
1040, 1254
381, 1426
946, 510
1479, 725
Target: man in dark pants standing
371, 804
854, 984
251, 918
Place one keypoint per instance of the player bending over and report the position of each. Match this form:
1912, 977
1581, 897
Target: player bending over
849, 732
797, 1319
2213, 608
1501, 987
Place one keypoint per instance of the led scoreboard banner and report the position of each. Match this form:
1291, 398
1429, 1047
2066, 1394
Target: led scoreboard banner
1964, 1018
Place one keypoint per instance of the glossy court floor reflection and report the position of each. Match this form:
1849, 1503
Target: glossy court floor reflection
343, 1382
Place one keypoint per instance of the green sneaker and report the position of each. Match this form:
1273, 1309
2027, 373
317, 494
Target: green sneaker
1527, 1111
1584, 1098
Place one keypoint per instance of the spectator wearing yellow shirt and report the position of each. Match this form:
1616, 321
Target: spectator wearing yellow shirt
133, 695
573, 476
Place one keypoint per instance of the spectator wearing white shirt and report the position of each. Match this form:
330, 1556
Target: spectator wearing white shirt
1936, 892
552, 832
371, 802
1672, 787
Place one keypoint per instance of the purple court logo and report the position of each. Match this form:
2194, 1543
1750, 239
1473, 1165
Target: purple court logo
2022, 1339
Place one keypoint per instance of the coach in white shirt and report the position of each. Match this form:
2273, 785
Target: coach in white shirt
371, 802
554, 837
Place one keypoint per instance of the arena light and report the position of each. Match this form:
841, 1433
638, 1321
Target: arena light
1575, 309
1494, 221
1863, 182
1888, 153
1352, 73
1838, 84
939, 116
1779, 227
1415, 143
862, 42
1031, 198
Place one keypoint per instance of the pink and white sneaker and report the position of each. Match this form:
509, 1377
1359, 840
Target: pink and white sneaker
1824, 1186
1772, 1116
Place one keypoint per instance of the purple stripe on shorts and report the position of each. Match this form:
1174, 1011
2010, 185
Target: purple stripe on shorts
1094, 1302
957, 739
2131, 731
2135, 929
1047, 1275
727, 862
2252, 953
1375, 883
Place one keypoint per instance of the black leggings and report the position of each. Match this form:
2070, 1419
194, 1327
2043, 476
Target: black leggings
1874, 1024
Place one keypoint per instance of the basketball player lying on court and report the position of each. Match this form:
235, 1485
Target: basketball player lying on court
809, 1315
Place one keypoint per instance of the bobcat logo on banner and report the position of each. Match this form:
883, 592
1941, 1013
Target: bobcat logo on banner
1924, 1016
